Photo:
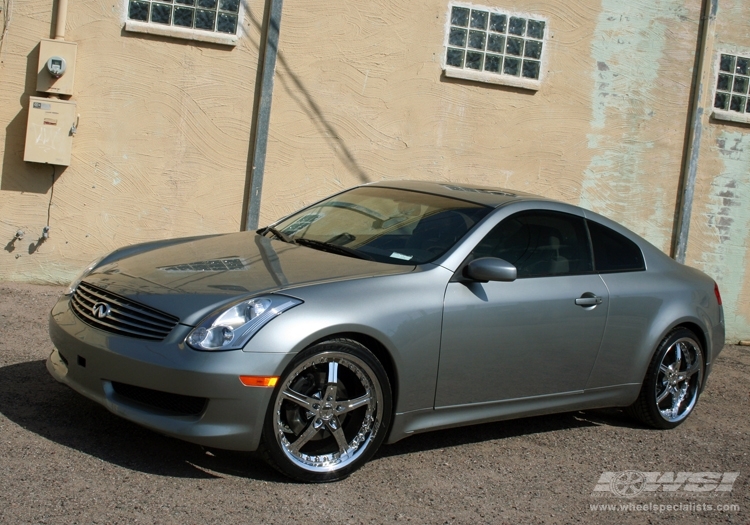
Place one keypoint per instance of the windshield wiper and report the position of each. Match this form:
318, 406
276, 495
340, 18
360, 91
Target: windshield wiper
332, 248
278, 233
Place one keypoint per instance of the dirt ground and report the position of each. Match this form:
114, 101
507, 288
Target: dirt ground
64, 459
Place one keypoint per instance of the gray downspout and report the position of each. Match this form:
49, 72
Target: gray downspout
703, 81
269, 49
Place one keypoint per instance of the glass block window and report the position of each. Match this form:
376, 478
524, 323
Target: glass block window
732, 89
732, 84
496, 43
220, 16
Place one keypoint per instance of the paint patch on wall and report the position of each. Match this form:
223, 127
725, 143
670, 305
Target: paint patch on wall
729, 219
621, 180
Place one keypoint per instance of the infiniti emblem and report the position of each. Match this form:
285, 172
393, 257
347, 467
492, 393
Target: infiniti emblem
101, 310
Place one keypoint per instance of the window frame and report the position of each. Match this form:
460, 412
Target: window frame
492, 77
200, 35
728, 114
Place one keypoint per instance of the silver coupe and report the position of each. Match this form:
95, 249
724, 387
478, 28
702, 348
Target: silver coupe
383, 311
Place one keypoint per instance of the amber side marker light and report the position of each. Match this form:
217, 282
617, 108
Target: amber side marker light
268, 381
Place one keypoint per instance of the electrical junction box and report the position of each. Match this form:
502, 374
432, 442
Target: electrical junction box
49, 132
57, 67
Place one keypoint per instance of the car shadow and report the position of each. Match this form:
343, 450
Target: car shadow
32, 399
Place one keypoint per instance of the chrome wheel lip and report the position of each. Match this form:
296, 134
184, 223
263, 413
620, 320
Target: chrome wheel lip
323, 420
678, 380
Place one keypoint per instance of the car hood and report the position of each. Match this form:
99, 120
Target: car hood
193, 278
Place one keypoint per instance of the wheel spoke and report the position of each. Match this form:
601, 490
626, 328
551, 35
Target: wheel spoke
335, 428
306, 436
299, 399
663, 395
342, 407
692, 369
677, 398
330, 394
663, 369
678, 355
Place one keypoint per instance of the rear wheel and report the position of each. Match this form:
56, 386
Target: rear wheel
672, 384
329, 412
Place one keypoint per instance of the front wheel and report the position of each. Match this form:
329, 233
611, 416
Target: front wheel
672, 384
329, 412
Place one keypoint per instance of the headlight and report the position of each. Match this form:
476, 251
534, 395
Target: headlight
82, 275
232, 328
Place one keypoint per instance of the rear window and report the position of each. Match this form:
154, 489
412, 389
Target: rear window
614, 252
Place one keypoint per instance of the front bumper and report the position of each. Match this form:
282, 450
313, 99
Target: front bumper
91, 361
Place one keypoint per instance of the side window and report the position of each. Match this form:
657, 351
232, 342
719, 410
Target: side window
614, 252
540, 244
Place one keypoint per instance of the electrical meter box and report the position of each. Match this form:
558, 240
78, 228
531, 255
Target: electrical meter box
57, 67
49, 132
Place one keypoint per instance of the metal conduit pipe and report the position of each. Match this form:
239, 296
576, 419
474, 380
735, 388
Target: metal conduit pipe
62, 17
702, 90
268, 52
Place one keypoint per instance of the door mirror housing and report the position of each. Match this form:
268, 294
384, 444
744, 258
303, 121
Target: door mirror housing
487, 269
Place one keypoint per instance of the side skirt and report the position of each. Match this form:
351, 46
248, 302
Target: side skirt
417, 421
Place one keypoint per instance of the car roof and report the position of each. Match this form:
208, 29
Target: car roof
485, 195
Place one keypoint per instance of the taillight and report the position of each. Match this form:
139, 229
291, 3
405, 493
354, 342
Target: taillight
717, 294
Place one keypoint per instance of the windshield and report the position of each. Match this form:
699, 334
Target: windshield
383, 224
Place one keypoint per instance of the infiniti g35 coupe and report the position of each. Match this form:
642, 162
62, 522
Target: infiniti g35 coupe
382, 311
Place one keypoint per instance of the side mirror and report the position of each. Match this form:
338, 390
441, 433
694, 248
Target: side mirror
487, 269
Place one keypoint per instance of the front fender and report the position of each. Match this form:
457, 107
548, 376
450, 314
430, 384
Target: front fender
403, 313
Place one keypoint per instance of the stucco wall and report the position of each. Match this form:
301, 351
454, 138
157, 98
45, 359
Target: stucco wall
645, 52
720, 226
361, 97
161, 148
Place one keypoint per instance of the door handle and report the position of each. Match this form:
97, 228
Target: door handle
588, 299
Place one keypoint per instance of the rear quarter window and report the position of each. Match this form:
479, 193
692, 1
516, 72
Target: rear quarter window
614, 252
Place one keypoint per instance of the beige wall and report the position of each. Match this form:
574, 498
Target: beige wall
720, 225
161, 148
361, 97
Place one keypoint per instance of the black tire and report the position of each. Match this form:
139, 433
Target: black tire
310, 433
673, 381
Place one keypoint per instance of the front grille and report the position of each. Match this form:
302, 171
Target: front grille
125, 317
164, 401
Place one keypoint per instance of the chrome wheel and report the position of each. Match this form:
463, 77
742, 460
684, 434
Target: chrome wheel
329, 412
679, 379
673, 381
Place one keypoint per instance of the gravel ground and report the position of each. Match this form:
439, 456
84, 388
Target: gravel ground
64, 459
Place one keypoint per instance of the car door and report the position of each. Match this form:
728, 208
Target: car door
537, 335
